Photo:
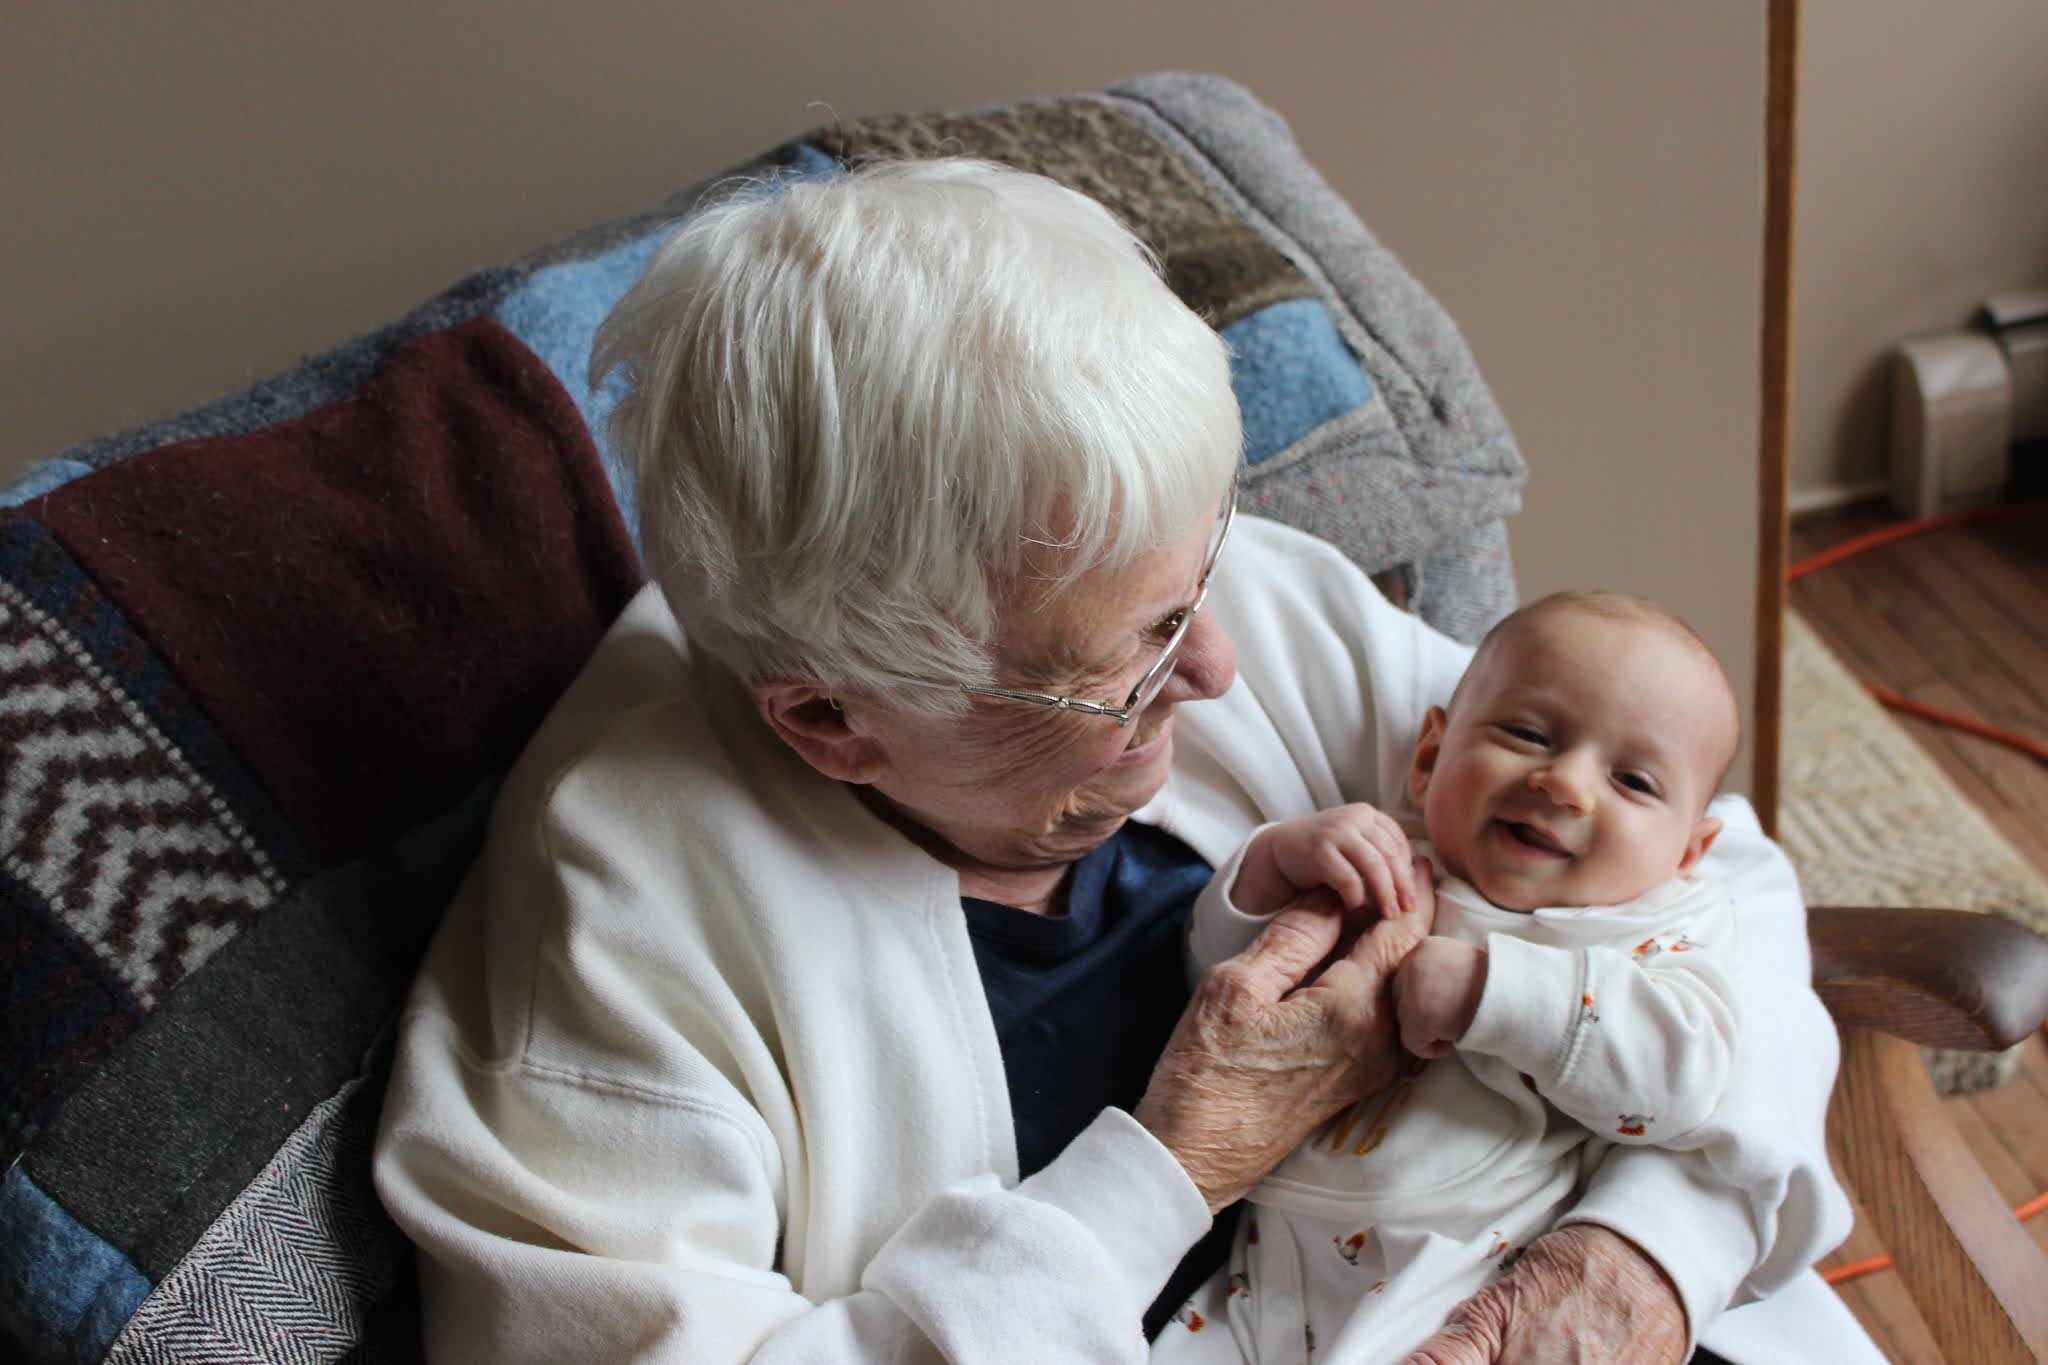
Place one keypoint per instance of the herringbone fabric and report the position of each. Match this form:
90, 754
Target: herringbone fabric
290, 1271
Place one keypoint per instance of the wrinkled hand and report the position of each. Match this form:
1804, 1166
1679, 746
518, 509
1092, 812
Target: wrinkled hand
1356, 851
1436, 994
1258, 1059
1581, 1294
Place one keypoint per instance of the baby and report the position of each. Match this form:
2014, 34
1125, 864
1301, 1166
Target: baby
1575, 990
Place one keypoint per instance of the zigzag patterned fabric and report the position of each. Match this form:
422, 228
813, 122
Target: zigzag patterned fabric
251, 685
105, 820
262, 663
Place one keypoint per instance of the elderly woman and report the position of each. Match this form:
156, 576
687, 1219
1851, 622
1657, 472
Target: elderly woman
819, 995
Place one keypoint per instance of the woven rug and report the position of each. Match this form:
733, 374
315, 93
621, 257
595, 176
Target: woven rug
1869, 819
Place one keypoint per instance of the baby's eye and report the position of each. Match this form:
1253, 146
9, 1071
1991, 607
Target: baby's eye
1528, 734
1636, 782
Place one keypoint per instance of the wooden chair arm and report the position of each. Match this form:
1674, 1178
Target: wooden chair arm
1940, 978
1973, 1272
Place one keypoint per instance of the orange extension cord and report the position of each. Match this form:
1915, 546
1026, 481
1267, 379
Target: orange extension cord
1883, 535
2026, 744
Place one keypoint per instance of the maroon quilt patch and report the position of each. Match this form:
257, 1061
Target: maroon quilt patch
376, 602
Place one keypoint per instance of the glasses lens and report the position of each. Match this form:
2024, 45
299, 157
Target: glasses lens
1156, 677
1154, 682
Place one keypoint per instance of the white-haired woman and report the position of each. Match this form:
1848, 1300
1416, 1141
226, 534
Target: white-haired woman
819, 993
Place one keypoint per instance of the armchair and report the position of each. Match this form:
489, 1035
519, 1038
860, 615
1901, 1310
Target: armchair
262, 664
1895, 981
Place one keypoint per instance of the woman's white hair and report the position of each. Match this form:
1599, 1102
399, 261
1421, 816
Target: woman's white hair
855, 404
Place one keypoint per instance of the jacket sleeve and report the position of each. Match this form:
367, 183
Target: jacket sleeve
619, 1129
1635, 1042
1756, 1202
657, 1235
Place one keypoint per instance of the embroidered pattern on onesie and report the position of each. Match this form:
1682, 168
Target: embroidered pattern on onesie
1377, 1123
1652, 946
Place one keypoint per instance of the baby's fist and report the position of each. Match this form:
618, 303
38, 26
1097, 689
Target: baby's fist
1436, 993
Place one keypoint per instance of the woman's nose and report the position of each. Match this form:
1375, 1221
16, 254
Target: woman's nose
1206, 664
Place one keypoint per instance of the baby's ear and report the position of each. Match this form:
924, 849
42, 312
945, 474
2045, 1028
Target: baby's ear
1696, 847
1428, 745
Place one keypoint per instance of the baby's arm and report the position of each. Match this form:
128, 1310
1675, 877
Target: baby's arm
1340, 859
1355, 850
1633, 1041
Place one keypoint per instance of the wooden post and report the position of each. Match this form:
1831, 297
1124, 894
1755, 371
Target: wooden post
1781, 128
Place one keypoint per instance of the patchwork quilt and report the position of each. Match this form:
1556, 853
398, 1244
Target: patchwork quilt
263, 663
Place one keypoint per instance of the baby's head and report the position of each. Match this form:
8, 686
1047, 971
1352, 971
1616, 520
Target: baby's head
1578, 754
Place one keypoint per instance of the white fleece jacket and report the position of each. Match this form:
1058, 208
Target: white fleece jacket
699, 1067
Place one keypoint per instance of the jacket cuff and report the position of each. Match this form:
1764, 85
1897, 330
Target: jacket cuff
1700, 1234
1528, 1007
1132, 1194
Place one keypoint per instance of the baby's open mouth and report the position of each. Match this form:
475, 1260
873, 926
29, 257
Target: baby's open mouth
1532, 836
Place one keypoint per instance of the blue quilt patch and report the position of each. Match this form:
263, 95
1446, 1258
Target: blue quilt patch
64, 1293
44, 476
557, 310
1292, 373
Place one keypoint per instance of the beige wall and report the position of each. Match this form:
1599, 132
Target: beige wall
199, 193
1923, 187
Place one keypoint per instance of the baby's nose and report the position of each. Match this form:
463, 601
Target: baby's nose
1567, 780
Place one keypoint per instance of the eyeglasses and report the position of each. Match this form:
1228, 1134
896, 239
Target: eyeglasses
1156, 676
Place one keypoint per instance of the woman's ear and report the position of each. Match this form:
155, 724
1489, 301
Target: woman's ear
805, 716
1428, 745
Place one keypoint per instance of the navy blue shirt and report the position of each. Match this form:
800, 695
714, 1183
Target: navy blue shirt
1083, 1002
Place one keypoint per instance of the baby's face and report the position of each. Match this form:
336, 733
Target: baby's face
1576, 764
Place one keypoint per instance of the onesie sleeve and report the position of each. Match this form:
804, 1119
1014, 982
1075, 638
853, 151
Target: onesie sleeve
1217, 929
1634, 1041
1754, 1202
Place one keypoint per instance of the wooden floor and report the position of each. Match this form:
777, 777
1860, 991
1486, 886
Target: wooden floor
1957, 619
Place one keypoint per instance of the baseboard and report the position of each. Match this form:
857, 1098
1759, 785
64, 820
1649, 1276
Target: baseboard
1830, 496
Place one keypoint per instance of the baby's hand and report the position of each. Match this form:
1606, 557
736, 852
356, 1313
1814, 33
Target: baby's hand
1356, 851
1436, 993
